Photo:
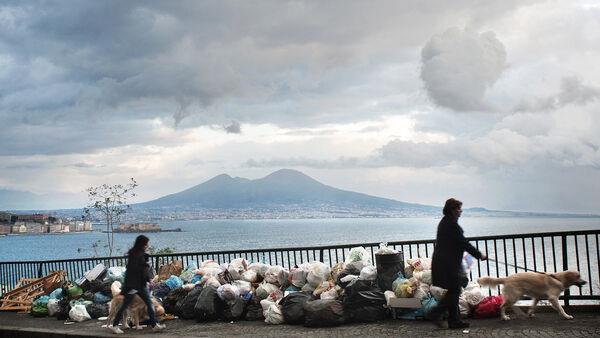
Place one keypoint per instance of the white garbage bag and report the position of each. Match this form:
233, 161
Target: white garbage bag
369, 272
318, 273
53, 307
78, 313
358, 254
237, 267
259, 268
250, 276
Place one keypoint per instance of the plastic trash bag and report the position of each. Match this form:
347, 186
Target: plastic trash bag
297, 277
234, 309
385, 250
273, 315
265, 289
259, 268
350, 269
78, 313
196, 279
174, 282
74, 292
250, 276
489, 307
318, 273
237, 267
422, 292
228, 292
243, 286
101, 298
39, 307
209, 263
171, 299
253, 310
53, 307
210, 281
473, 294
423, 276
292, 307
186, 309
97, 310
187, 274
331, 293
209, 306
358, 254
56, 294
160, 290
406, 288
325, 286
323, 313
365, 306
369, 272
463, 307
116, 273
272, 275
437, 292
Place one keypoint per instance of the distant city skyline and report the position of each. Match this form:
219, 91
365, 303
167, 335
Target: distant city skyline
495, 103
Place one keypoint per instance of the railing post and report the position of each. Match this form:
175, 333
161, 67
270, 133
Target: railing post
39, 272
565, 259
321, 256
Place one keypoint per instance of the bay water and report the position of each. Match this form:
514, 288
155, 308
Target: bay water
229, 234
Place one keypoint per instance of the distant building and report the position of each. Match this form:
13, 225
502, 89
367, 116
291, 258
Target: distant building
5, 217
138, 227
38, 218
5, 229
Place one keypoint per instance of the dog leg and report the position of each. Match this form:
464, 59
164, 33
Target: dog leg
531, 312
125, 321
561, 311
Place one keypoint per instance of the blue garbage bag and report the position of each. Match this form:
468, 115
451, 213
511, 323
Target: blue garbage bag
174, 282
100, 298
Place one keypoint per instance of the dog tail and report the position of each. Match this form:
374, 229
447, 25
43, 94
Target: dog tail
115, 288
491, 281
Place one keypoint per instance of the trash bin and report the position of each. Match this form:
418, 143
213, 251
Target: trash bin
387, 267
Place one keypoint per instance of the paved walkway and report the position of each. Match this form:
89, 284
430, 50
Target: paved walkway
544, 325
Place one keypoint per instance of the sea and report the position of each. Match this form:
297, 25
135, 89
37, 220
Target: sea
235, 234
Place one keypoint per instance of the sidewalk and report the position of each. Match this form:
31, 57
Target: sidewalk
585, 324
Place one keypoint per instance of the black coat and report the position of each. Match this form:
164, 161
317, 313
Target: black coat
446, 267
136, 275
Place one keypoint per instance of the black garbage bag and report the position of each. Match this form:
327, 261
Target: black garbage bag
292, 307
88, 295
365, 306
209, 306
323, 312
64, 308
160, 290
350, 269
97, 310
253, 310
234, 310
189, 302
358, 285
170, 300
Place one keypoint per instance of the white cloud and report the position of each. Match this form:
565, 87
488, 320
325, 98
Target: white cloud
460, 65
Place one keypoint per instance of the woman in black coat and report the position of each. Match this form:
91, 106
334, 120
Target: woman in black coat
446, 267
137, 276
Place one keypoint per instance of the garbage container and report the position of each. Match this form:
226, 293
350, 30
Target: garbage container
387, 267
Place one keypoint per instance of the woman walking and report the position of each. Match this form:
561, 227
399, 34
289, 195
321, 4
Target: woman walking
136, 278
447, 271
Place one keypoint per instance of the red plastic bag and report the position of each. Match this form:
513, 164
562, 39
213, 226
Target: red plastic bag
489, 307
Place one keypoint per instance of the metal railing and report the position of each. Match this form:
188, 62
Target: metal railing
546, 252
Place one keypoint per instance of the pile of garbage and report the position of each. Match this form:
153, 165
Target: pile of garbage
313, 293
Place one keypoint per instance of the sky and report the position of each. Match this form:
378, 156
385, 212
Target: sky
496, 103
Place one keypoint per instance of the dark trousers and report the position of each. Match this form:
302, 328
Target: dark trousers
449, 302
143, 293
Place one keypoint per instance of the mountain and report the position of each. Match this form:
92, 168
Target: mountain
25, 200
282, 188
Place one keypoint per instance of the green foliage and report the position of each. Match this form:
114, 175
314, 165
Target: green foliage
162, 251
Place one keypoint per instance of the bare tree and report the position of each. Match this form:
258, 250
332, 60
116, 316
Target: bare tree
110, 202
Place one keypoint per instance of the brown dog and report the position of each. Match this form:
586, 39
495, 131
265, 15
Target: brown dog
136, 311
536, 285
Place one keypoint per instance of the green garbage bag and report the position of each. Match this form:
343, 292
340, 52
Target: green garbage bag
74, 292
39, 307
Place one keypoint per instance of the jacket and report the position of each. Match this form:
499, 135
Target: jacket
136, 275
446, 266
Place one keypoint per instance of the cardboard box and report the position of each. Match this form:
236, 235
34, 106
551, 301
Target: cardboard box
394, 302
